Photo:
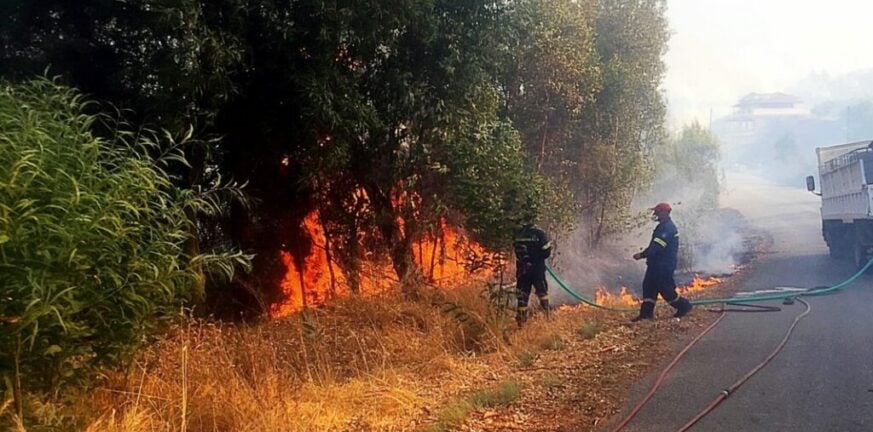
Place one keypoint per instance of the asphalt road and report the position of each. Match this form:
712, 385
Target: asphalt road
823, 378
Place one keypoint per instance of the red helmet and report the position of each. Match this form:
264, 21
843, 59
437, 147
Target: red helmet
662, 207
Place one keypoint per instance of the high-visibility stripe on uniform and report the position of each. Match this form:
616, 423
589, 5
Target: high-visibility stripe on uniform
660, 241
648, 300
543, 297
525, 239
547, 245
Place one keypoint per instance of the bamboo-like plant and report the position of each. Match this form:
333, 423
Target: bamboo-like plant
92, 236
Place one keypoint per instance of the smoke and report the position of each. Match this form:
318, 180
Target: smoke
720, 244
714, 241
610, 266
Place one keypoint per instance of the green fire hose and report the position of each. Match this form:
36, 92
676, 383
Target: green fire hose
808, 293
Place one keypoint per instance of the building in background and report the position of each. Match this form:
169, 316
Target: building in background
774, 135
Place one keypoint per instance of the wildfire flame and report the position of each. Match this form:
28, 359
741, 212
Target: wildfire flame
625, 299
442, 259
697, 285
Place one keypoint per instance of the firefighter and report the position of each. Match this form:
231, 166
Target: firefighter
661, 257
532, 248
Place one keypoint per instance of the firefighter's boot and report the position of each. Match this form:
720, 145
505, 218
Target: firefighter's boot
544, 304
647, 311
521, 316
683, 306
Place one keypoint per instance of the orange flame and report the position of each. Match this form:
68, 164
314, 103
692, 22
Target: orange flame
625, 299
698, 285
443, 260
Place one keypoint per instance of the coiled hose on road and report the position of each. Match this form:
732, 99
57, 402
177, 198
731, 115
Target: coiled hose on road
730, 390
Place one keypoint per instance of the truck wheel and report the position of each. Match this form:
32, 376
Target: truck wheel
839, 250
860, 255
840, 244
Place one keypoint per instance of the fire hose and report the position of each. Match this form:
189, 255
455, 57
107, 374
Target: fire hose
746, 299
724, 394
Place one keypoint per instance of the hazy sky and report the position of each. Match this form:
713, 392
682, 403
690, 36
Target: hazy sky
723, 49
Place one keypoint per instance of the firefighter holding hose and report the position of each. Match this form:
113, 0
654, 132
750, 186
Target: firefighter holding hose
532, 247
661, 257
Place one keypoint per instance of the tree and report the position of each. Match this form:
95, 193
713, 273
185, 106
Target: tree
411, 111
550, 77
688, 168
687, 172
626, 122
385, 117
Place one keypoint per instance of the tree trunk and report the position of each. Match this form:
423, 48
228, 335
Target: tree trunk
544, 140
329, 258
600, 221
436, 242
398, 243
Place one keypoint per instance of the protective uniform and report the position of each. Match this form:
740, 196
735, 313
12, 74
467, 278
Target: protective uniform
661, 257
532, 248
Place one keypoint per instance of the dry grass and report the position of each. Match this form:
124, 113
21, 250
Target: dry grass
377, 364
360, 363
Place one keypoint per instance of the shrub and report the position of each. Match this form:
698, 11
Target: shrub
553, 342
526, 359
589, 330
456, 413
92, 239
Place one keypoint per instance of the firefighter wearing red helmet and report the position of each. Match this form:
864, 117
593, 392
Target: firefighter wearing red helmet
661, 257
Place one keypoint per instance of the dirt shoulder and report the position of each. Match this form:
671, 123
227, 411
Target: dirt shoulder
584, 384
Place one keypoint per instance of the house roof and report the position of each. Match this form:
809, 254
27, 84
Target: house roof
768, 99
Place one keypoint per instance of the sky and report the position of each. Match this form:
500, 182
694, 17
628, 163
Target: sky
721, 50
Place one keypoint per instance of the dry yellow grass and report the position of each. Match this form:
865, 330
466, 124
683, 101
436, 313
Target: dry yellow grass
371, 364
359, 363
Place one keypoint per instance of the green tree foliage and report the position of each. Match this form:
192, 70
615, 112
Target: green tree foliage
386, 116
411, 111
92, 237
551, 76
688, 167
687, 171
156, 57
582, 87
626, 121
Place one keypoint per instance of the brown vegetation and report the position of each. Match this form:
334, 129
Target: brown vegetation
384, 364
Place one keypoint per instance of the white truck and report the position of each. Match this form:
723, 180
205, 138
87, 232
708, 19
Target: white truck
846, 175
